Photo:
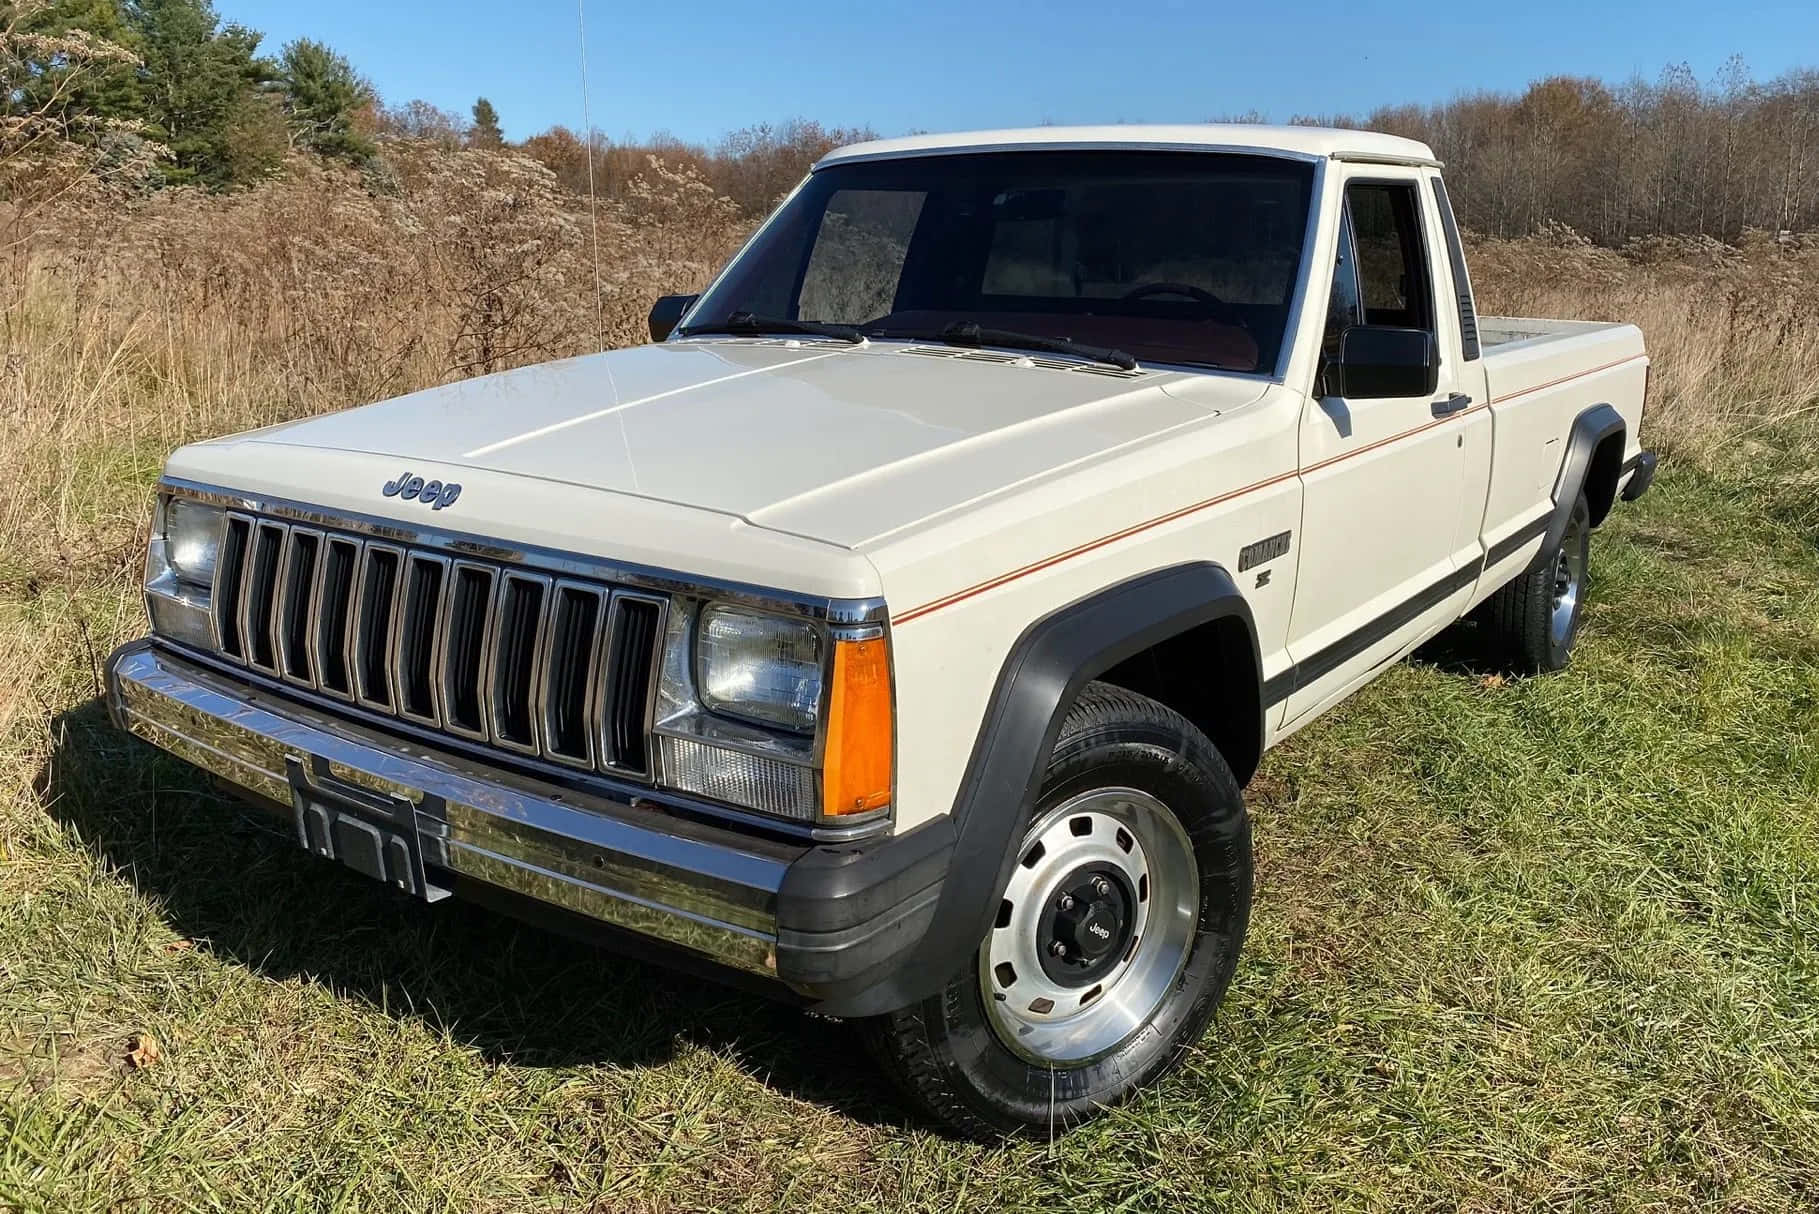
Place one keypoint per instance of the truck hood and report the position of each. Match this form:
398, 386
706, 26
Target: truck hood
840, 444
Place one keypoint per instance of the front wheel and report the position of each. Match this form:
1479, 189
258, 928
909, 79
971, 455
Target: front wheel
1114, 940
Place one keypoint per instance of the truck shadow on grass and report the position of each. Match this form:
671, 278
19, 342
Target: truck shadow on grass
234, 882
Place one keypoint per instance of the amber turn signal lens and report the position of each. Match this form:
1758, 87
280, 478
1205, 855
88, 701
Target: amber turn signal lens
858, 761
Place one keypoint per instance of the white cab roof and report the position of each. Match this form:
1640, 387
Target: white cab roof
1299, 141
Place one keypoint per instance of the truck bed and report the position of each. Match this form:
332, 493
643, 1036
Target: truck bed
1511, 330
1523, 355
1540, 375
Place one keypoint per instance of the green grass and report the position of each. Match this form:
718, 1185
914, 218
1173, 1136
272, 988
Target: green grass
1517, 943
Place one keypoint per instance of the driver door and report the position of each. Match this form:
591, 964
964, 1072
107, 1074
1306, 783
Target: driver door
1381, 475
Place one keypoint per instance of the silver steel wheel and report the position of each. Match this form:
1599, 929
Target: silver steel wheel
1094, 929
1569, 580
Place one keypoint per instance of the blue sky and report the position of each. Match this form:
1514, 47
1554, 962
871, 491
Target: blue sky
700, 69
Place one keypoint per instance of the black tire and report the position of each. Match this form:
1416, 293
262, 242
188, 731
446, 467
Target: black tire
947, 1054
1532, 621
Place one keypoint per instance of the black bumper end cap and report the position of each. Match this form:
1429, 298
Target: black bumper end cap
1642, 475
849, 916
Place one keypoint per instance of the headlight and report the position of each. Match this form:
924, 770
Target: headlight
787, 716
192, 541
758, 667
180, 570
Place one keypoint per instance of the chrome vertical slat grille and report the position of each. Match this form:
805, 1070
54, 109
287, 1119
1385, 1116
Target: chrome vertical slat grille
230, 572
634, 632
297, 588
374, 630
466, 642
559, 669
334, 611
518, 631
570, 676
419, 614
258, 595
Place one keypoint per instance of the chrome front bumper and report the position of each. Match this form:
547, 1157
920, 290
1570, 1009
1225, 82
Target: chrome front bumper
826, 924
701, 888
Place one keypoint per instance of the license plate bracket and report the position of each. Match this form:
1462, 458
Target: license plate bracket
370, 832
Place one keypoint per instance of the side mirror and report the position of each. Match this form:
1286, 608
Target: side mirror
666, 312
1381, 360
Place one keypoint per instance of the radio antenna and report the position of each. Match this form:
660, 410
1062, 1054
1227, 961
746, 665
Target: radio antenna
593, 200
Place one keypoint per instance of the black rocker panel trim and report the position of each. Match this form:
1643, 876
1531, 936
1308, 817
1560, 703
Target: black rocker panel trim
1523, 536
1049, 664
1312, 669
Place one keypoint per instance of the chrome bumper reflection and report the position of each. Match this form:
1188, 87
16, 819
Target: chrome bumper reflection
629, 866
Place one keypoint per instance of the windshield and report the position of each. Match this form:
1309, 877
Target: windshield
1170, 257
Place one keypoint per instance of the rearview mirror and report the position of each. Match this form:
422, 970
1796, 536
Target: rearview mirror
1381, 360
668, 310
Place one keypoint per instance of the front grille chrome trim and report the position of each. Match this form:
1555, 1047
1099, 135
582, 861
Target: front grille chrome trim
483, 650
862, 610
358, 657
400, 629
287, 597
593, 654
496, 707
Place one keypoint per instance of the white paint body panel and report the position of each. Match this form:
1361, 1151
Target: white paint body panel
978, 497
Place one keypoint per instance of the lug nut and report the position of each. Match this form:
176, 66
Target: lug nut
1101, 886
1058, 949
1066, 903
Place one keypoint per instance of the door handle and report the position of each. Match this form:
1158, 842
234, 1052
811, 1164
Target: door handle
1451, 405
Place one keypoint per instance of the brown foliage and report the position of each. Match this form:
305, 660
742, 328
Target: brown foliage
1674, 156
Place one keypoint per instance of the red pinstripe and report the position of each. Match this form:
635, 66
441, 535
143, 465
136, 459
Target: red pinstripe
915, 613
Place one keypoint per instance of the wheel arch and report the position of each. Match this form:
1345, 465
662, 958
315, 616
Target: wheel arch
1593, 464
1123, 630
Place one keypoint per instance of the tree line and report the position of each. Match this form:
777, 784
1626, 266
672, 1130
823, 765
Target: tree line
1675, 155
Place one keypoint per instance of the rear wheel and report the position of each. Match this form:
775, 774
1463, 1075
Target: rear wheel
1534, 620
1114, 940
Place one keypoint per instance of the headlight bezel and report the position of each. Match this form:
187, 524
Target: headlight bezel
179, 604
685, 719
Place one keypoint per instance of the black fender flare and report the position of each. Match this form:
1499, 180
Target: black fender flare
1590, 430
1047, 666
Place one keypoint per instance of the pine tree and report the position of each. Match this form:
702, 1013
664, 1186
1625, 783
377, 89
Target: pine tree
323, 97
204, 93
486, 132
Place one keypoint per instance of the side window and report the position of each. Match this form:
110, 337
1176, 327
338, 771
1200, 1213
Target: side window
858, 255
1392, 268
1343, 309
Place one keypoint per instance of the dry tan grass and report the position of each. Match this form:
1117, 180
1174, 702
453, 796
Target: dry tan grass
1732, 331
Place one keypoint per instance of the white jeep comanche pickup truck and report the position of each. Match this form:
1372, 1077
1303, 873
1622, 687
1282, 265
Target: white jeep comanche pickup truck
897, 632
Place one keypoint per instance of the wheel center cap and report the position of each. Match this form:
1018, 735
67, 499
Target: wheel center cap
1087, 927
1093, 931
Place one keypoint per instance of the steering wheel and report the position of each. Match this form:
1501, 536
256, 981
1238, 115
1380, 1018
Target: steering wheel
1145, 290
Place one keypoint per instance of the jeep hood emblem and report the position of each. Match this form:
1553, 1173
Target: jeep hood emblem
435, 494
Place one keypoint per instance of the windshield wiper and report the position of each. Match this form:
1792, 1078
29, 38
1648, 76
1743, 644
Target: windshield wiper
747, 322
970, 333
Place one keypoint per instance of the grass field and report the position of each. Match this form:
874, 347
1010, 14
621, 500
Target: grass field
1517, 943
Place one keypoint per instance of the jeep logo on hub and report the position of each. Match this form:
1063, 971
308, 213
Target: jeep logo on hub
1099, 930
436, 494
